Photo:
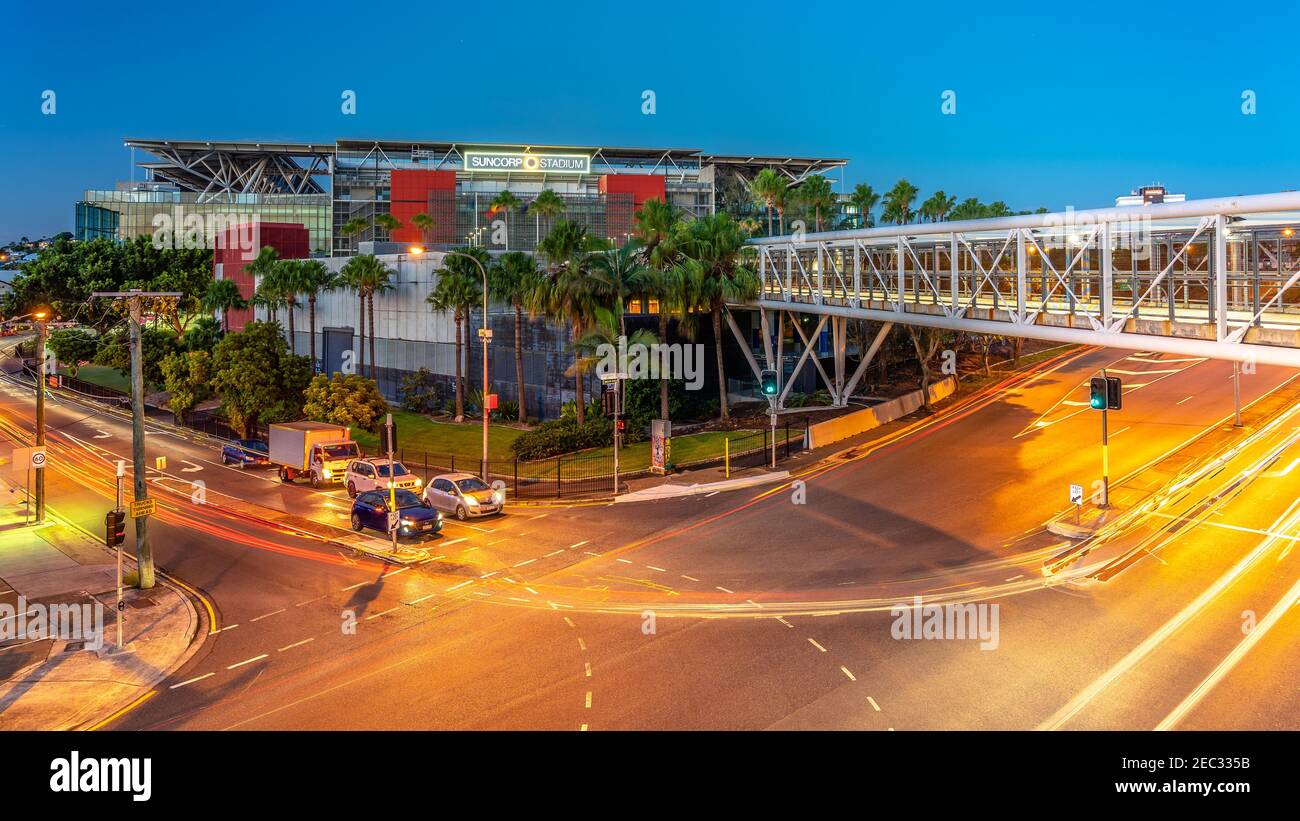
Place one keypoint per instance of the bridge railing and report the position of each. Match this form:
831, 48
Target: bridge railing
1214, 271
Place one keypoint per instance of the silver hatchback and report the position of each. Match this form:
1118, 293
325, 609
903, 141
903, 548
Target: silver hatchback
464, 495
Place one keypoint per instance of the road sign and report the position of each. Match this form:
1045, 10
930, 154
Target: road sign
1076, 494
142, 507
490, 402
485, 333
160, 462
26, 458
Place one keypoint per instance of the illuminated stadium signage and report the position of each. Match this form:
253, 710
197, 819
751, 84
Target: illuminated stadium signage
528, 162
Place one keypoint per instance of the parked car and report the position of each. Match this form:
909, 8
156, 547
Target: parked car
244, 452
463, 494
371, 473
370, 509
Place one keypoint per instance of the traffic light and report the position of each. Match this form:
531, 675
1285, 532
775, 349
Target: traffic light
1104, 392
768, 381
622, 425
115, 528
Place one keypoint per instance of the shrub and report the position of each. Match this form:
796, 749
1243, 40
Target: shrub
421, 392
564, 435
507, 411
345, 399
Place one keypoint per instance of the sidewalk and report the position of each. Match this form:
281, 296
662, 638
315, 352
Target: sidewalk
65, 682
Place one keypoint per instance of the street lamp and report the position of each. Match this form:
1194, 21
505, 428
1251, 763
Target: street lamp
485, 334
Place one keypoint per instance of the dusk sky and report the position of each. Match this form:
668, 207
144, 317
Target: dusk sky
1057, 104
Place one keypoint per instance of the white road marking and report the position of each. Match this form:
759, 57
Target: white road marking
587, 666
355, 586
874, 705
490, 574
569, 621
422, 599
1181, 401
624, 561
846, 672
228, 627
268, 615
692, 578
588, 699
454, 541
553, 553
582, 645
814, 643
193, 468
295, 644
380, 613
247, 661
524, 562
714, 493
458, 586
395, 572
534, 592
725, 590
589, 553
579, 544
783, 621
660, 569
191, 681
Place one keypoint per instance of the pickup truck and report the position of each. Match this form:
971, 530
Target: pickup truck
317, 450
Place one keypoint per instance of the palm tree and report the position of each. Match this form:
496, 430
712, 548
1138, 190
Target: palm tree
507, 202
512, 279
817, 193
655, 225
619, 273
389, 223
865, 199
569, 291
768, 190
314, 277
548, 206
458, 292
366, 275
354, 227
716, 270
224, 295
262, 269
937, 206
898, 203
425, 224
288, 284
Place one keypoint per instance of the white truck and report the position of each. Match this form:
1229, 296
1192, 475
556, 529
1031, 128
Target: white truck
317, 450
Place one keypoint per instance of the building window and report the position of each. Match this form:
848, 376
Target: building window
634, 306
652, 306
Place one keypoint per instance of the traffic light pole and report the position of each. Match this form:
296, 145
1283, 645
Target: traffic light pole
393, 518
618, 435
1105, 455
143, 550
121, 602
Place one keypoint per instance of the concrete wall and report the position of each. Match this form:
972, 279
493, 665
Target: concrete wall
851, 424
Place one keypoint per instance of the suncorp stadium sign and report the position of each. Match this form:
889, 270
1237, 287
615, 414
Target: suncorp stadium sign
528, 162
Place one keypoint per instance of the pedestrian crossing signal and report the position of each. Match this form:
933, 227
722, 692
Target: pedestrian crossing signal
768, 381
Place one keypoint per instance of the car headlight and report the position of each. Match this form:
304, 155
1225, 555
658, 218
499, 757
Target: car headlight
498, 497
473, 501
327, 473
418, 481
408, 522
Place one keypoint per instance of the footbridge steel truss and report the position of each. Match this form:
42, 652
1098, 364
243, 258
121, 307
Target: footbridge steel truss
1215, 278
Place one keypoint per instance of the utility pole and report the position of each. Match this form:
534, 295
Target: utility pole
41, 331
135, 313
394, 519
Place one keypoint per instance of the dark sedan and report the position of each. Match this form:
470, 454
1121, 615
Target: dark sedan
416, 517
244, 452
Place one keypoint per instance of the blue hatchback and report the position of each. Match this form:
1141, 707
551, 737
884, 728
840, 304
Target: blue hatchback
370, 509
244, 452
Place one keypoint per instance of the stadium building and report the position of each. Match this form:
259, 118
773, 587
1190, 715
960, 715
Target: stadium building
324, 200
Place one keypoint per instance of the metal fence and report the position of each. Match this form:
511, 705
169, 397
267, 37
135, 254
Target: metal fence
754, 450
574, 474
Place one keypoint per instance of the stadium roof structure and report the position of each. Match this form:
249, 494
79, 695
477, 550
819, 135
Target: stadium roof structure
278, 167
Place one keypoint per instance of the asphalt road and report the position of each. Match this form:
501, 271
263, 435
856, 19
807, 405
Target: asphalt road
750, 609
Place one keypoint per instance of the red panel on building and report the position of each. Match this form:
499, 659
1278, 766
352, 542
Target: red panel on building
239, 245
419, 191
622, 189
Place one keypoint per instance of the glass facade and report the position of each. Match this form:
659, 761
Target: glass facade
124, 215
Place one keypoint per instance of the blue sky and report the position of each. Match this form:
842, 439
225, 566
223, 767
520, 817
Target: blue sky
1059, 104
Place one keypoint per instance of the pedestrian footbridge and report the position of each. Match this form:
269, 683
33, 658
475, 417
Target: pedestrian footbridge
1215, 278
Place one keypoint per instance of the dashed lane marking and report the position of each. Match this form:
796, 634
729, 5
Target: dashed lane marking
874, 705
295, 644
192, 680
725, 590
814, 643
846, 672
268, 615
247, 661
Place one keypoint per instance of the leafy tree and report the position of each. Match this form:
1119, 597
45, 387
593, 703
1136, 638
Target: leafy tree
421, 392
72, 347
512, 279
927, 342
459, 291
620, 275
345, 399
257, 378
224, 295
425, 224
354, 228
114, 351
187, 378
389, 223
656, 226
203, 335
